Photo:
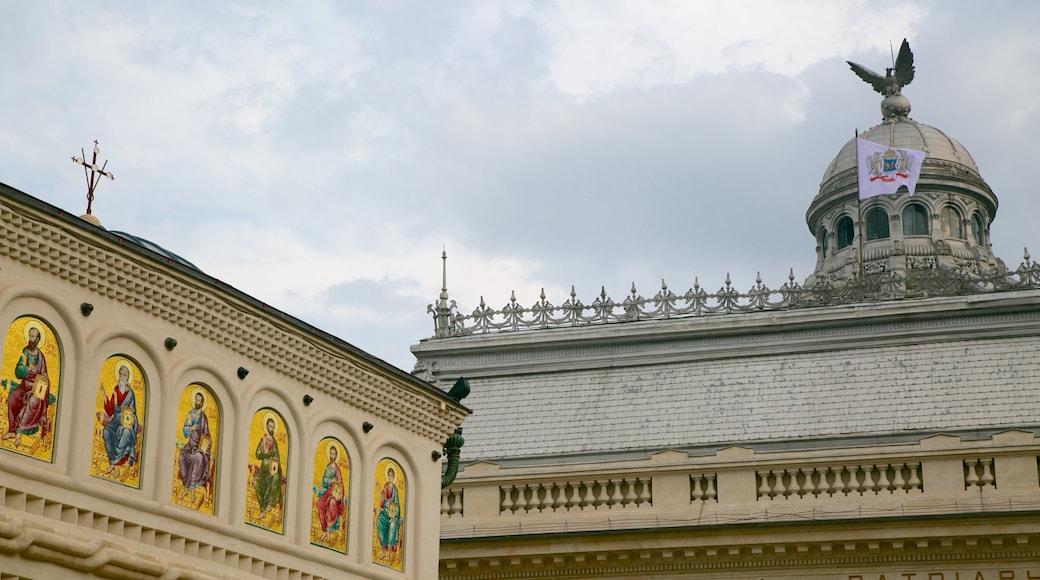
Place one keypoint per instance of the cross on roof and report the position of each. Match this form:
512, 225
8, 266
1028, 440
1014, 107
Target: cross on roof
92, 172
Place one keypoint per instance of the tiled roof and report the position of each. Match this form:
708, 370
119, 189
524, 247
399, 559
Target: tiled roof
935, 386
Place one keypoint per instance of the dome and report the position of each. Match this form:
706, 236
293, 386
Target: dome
907, 134
943, 225
170, 256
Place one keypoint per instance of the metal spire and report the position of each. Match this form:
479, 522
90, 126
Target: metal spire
92, 172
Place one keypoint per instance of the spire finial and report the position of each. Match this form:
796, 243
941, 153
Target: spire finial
92, 172
444, 272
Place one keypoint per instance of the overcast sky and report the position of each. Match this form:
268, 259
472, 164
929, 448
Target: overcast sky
318, 155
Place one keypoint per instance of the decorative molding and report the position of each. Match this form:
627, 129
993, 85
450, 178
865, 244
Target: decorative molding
1018, 551
88, 541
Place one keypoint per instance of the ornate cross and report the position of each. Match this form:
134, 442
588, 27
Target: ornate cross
92, 172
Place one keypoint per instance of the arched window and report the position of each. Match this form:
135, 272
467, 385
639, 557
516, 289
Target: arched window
915, 220
823, 242
951, 223
845, 232
976, 229
877, 223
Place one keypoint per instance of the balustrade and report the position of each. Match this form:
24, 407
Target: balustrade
451, 502
840, 480
703, 488
979, 473
577, 495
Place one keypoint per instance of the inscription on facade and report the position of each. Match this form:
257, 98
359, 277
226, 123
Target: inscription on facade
1014, 574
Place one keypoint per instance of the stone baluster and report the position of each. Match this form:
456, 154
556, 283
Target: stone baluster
915, 476
530, 501
987, 473
971, 478
508, 504
813, 481
898, 482
573, 499
538, 496
454, 502
825, 481
846, 480
444, 501
558, 497
585, 495
886, 481
616, 498
599, 491
628, 493
645, 491
710, 493
763, 487
861, 480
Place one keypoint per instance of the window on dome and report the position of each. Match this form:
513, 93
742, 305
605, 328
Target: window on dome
877, 223
845, 232
976, 229
823, 242
951, 223
915, 220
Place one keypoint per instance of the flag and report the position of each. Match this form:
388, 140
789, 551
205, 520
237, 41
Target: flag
884, 170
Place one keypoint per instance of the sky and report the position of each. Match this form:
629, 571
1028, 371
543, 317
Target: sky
320, 155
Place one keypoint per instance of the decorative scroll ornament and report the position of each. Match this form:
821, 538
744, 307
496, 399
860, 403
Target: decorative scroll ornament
921, 280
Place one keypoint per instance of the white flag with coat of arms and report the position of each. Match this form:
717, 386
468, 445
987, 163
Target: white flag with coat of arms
884, 169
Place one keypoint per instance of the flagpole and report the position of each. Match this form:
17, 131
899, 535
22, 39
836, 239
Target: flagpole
859, 210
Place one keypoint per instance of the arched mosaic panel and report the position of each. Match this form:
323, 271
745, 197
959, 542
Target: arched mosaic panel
331, 495
195, 456
31, 383
389, 510
119, 422
265, 494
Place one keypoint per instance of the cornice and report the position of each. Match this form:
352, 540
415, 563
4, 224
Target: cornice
85, 259
834, 548
822, 329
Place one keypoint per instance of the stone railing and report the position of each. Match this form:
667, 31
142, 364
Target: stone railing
979, 473
841, 480
703, 488
451, 502
603, 494
922, 281
939, 475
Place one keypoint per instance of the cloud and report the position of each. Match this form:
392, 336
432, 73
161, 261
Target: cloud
319, 155
638, 46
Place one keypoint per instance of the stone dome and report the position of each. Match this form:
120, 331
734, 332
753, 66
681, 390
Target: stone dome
907, 134
944, 225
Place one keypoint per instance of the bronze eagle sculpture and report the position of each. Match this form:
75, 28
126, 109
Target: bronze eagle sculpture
896, 77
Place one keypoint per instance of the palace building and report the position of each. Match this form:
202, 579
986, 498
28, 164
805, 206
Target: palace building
160, 424
878, 420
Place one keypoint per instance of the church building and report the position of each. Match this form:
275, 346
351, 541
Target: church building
876, 421
158, 423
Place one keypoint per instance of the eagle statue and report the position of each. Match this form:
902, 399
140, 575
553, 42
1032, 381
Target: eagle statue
894, 105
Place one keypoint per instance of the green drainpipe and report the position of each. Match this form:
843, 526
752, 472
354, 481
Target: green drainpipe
453, 448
